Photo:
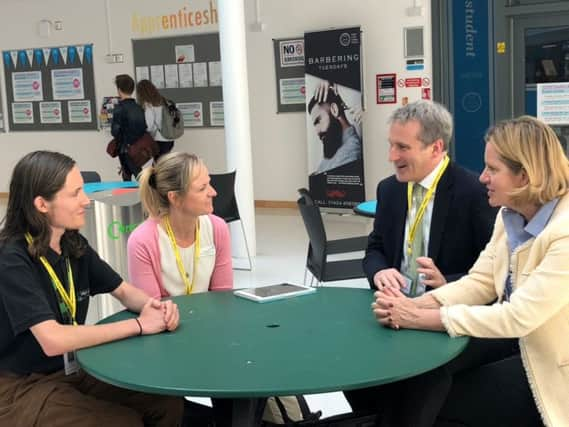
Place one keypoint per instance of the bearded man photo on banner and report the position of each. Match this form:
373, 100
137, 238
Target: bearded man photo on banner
340, 137
333, 117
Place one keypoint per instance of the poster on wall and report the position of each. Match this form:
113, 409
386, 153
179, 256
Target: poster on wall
386, 89
27, 86
553, 103
107, 108
67, 83
333, 123
50, 112
217, 115
22, 113
79, 111
289, 67
192, 113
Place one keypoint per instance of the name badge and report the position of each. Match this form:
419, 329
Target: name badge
70, 363
406, 289
419, 289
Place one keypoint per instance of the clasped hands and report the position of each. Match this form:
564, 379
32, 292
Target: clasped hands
158, 316
393, 309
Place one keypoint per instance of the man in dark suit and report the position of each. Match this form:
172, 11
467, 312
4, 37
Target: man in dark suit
450, 223
456, 222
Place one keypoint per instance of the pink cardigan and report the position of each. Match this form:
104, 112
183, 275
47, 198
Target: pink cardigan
143, 253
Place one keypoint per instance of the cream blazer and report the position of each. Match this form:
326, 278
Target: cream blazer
537, 313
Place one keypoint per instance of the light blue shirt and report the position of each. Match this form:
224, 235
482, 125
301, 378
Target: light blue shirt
518, 232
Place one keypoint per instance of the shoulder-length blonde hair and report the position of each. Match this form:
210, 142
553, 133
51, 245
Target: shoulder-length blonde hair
527, 144
173, 172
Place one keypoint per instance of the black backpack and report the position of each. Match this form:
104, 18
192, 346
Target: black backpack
172, 121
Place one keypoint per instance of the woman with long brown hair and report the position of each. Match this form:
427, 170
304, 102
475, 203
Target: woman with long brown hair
49, 272
152, 102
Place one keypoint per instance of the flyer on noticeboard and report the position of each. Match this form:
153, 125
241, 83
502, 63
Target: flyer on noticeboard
334, 111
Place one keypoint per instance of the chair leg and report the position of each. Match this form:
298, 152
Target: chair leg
247, 248
305, 273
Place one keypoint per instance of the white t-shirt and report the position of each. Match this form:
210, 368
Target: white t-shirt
153, 117
171, 278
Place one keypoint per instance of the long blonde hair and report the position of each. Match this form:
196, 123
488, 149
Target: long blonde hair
528, 144
173, 172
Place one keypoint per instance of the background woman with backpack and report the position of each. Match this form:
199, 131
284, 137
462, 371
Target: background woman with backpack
152, 102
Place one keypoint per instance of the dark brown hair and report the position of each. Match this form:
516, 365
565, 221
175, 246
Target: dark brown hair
146, 93
124, 83
40, 173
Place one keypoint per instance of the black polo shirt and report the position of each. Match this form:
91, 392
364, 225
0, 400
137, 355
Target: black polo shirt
27, 297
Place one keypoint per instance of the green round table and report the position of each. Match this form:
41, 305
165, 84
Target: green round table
228, 346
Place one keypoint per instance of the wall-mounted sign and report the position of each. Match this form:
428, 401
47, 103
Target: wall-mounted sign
386, 88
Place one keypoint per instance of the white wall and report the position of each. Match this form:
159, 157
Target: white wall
84, 21
278, 140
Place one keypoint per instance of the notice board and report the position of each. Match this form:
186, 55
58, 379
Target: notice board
289, 68
50, 88
187, 70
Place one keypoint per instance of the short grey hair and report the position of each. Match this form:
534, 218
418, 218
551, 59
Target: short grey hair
434, 118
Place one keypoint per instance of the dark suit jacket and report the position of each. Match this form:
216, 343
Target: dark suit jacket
461, 224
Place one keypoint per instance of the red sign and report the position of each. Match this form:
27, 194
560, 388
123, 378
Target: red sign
426, 93
426, 81
386, 91
413, 82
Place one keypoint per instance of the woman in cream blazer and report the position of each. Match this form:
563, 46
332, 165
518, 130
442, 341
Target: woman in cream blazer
518, 288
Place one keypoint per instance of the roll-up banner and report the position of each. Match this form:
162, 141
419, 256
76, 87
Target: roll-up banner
334, 111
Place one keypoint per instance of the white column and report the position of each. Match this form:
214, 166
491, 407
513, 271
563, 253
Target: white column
237, 120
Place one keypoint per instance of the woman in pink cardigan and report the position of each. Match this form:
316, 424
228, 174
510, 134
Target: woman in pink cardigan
181, 248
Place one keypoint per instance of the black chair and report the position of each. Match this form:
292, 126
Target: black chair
90, 176
225, 204
319, 247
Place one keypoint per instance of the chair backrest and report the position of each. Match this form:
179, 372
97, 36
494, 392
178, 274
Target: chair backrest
225, 203
90, 176
308, 200
314, 225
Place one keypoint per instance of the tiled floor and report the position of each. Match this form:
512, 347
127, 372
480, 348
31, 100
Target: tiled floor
282, 245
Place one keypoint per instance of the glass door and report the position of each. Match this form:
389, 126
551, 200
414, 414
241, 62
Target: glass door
540, 55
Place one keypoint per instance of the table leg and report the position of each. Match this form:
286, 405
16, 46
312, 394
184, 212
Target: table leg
248, 412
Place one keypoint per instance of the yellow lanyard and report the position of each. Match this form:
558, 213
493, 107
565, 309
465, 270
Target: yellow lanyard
188, 285
67, 298
423, 207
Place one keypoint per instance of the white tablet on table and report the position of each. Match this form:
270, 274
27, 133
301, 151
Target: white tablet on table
274, 292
